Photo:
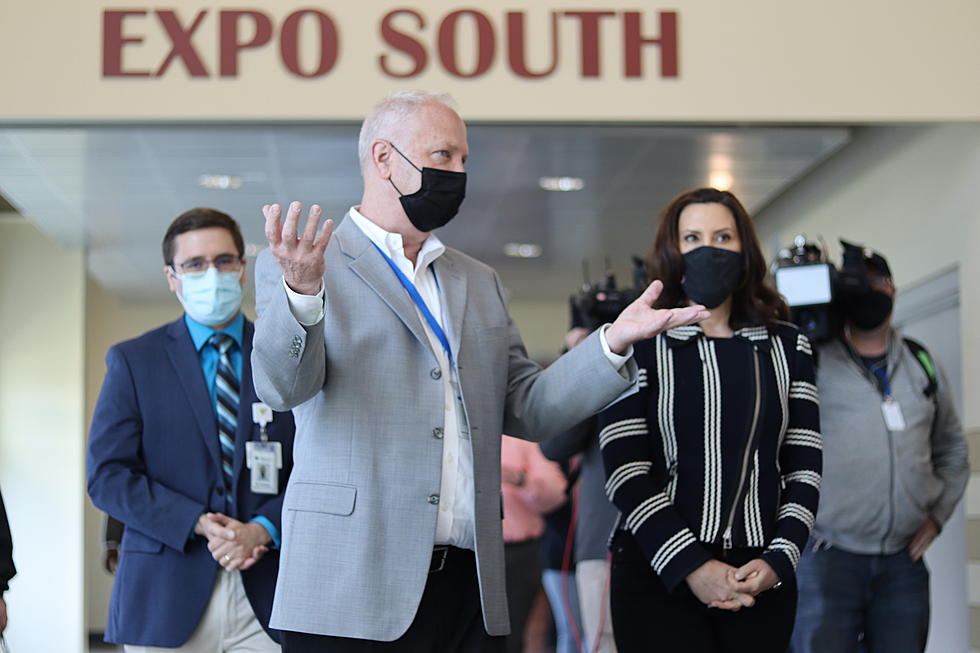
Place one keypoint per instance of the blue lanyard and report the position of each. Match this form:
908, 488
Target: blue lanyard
883, 382
419, 302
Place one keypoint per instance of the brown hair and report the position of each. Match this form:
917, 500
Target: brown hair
200, 218
755, 300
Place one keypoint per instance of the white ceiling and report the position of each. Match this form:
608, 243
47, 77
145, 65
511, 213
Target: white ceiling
115, 189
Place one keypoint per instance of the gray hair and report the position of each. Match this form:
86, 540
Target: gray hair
384, 118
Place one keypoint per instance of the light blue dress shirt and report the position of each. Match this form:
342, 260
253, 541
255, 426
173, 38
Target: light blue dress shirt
208, 357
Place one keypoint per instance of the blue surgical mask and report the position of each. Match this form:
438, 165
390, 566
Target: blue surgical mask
213, 297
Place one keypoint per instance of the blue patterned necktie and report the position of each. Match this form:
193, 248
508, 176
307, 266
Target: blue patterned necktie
226, 404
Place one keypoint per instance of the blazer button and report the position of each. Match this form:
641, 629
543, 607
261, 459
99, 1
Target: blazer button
220, 490
436, 373
434, 499
437, 432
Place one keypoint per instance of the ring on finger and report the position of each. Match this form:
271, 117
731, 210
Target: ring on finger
226, 558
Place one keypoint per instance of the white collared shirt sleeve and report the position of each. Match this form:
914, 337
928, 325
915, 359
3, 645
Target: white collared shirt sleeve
307, 309
617, 360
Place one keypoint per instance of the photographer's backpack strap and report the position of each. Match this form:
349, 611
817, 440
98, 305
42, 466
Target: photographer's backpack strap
928, 365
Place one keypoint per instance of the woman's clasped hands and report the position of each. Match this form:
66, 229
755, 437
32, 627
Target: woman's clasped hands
720, 585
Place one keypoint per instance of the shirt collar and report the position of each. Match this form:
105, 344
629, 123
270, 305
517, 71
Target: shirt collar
392, 244
201, 332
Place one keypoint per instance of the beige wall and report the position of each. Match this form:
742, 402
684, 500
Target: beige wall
756, 60
42, 297
913, 194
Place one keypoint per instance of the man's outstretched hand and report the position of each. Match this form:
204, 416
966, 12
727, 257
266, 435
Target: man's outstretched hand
640, 320
300, 255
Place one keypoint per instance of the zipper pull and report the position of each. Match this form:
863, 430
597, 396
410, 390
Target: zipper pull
726, 539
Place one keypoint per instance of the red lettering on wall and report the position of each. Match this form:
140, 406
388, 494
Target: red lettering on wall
181, 46
289, 43
404, 43
517, 41
633, 43
113, 42
404, 32
590, 39
485, 43
229, 37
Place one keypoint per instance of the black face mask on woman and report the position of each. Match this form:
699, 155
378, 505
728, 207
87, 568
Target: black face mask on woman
867, 310
437, 200
711, 274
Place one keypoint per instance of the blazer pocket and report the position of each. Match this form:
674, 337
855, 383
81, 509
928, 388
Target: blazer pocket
329, 498
133, 540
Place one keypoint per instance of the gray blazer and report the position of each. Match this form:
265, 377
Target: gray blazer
359, 513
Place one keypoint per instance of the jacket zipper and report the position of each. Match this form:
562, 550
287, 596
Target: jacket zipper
727, 536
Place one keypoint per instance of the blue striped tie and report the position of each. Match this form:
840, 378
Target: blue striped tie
226, 405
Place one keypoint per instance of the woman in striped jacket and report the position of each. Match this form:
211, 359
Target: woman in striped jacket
715, 463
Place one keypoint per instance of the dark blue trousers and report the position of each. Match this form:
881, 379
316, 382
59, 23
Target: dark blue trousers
851, 603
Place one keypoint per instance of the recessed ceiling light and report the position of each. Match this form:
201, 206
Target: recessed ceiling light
253, 249
720, 179
220, 182
522, 250
561, 184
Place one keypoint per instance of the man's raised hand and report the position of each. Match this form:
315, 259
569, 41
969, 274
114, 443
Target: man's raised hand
300, 255
640, 320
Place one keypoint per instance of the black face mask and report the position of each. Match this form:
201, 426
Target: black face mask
438, 199
867, 310
711, 274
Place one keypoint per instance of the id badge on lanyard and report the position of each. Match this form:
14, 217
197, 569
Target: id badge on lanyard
891, 410
263, 458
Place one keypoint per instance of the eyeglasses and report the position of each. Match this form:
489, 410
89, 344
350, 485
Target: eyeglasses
200, 265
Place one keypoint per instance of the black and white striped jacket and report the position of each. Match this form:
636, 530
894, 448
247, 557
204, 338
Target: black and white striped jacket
720, 446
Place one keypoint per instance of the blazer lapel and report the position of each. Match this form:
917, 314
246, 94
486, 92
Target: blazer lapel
370, 266
187, 366
246, 396
453, 285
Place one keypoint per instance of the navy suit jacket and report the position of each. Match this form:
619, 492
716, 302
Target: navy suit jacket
154, 464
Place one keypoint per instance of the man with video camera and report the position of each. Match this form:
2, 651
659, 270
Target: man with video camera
894, 467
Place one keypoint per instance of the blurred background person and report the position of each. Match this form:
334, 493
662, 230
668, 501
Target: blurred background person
595, 517
895, 466
182, 453
7, 569
715, 462
558, 556
531, 486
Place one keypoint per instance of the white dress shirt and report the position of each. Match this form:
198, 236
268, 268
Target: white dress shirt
455, 521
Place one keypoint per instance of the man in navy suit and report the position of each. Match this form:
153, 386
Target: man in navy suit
182, 452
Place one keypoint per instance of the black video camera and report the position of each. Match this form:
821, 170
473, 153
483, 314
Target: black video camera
806, 280
602, 302
812, 286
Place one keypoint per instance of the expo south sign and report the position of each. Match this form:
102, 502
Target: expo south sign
412, 42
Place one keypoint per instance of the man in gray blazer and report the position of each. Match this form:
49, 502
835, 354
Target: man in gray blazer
403, 367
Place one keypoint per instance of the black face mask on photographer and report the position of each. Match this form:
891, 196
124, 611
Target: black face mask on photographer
437, 200
711, 274
867, 310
